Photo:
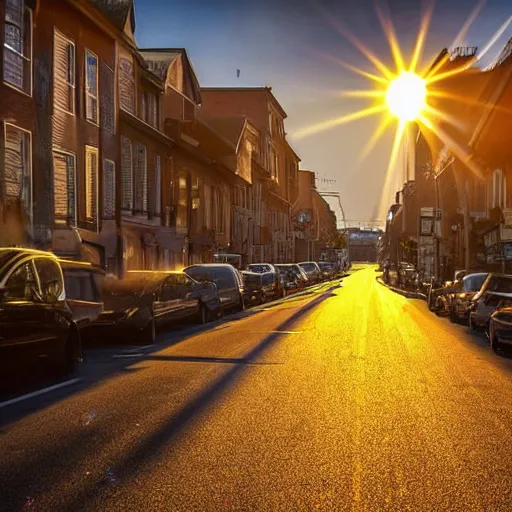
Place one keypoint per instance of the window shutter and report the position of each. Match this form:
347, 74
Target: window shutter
91, 185
141, 181
107, 103
126, 174
126, 85
109, 189
63, 68
158, 185
64, 185
17, 175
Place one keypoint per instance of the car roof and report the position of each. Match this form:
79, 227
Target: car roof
210, 265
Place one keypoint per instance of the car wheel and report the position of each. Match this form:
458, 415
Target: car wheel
149, 332
240, 306
471, 324
495, 344
71, 353
453, 317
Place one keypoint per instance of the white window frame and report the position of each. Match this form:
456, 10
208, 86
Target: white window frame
30, 161
105, 161
89, 95
91, 150
59, 151
68, 84
24, 9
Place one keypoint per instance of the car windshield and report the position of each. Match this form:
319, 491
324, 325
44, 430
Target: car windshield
201, 273
309, 267
268, 279
260, 269
474, 283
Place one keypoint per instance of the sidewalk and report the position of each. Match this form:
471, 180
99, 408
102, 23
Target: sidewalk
405, 293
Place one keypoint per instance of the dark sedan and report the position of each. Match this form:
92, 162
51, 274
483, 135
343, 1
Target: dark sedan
147, 300
312, 270
253, 288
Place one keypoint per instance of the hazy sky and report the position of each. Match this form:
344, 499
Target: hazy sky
279, 43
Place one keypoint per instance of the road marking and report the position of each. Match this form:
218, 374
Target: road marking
118, 356
39, 392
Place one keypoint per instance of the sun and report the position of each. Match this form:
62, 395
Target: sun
401, 95
406, 96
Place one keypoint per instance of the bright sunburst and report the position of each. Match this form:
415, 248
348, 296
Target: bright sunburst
400, 96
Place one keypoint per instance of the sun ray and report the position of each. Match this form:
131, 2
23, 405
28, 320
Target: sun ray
452, 72
363, 94
444, 116
392, 160
422, 36
389, 31
376, 136
375, 78
457, 41
458, 151
364, 50
494, 38
338, 121
468, 101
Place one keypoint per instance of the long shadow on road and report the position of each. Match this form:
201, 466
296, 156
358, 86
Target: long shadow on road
154, 445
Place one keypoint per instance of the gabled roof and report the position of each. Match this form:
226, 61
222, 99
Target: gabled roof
117, 11
174, 67
231, 128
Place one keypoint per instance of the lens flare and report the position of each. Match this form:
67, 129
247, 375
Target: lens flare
403, 95
406, 96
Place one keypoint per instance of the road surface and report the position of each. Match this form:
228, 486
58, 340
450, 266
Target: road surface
354, 399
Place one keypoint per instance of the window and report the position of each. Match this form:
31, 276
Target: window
22, 284
181, 217
91, 87
91, 184
149, 108
109, 189
64, 189
141, 181
80, 285
17, 172
126, 85
108, 100
158, 185
50, 278
18, 45
498, 189
126, 174
63, 73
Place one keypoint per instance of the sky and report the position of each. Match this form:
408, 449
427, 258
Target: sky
289, 45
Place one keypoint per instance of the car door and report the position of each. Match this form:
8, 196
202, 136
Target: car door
168, 304
228, 287
191, 294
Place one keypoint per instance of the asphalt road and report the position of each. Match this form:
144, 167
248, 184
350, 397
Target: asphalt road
354, 399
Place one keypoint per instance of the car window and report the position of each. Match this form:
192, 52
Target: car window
260, 269
474, 283
201, 273
267, 279
80, 285
22, 284
50, 278
500, 284
225, 277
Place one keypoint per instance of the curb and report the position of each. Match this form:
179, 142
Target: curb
404, 293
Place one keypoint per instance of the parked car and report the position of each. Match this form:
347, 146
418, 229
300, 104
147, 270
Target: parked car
273, 285
294, 278
312, 270
253, 288
500, 328
35, 320
470, 286
496, 292
301, 277
328, 269
144, 301
261, 268
83, 283
228, 280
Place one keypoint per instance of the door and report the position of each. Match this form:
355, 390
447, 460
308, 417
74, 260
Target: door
167, 306
26, 329
190, 294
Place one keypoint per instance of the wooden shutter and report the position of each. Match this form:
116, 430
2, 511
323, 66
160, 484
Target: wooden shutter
63, 72
158, 185
64, 186
109, 189
108, 99
91, 184
126, 174
126, 85
141, 181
